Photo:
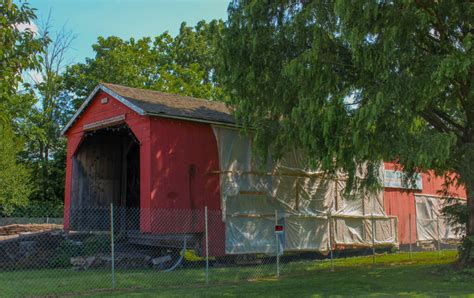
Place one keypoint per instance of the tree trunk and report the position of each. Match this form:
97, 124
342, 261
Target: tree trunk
466, 258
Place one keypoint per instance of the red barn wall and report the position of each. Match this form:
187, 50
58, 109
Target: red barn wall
96, 111
183, 154
176, 157
401, 203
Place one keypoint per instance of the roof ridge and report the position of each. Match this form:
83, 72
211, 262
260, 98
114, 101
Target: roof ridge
165, 93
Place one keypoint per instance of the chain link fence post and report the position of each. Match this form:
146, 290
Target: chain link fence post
207, 243
112, 244
277, 244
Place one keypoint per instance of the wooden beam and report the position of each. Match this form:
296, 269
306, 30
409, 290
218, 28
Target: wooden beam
297, 196
252, 193
276, 174
104, 123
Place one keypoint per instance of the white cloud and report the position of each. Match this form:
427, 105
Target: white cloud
30, 26
35, 76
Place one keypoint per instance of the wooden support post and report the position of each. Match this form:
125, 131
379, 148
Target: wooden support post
207, 243
373, 232
438, 234
330, 241
409, 233
373, 239
297, 196
396, 226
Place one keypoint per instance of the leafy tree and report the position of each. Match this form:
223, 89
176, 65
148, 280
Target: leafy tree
185, 64
18, 53
350, 82
15, 186
44, 147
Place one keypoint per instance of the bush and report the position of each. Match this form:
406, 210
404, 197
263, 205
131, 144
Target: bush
39, 209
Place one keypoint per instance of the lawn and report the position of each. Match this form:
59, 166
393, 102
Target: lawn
425, 274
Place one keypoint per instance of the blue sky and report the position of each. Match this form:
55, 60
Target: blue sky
89, 19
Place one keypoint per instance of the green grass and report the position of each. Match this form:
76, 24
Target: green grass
425, 274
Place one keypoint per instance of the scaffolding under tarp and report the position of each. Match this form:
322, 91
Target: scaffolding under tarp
314, 210
431, 225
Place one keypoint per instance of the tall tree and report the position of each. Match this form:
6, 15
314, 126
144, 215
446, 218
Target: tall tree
44, 147
350, 82
18, 53
185, 64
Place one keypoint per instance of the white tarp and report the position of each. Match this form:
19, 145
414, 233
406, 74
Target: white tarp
313, 210
430, 223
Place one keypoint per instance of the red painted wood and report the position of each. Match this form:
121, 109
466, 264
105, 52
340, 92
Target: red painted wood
72, 145
401, 202
175, 158
96, 111
183, 154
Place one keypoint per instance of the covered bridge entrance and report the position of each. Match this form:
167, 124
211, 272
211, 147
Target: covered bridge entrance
106, 170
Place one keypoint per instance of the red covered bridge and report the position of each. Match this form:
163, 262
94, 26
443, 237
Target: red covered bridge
148, 150
151, 151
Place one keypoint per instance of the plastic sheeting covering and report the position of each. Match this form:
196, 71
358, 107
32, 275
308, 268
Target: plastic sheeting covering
313, 210
430, 223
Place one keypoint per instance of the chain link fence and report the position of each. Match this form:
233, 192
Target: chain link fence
121, 248
429, 234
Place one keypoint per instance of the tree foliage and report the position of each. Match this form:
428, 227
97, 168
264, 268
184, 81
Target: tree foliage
15, 186
185, 64
18, 53
350, 82
44, 150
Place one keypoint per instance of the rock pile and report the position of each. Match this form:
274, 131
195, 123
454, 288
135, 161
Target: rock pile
122, 261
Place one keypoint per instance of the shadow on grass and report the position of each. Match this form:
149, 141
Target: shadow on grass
424, 274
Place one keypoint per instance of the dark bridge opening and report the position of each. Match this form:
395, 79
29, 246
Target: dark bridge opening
106, 169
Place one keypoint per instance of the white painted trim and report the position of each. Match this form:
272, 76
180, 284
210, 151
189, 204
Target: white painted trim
79, 111
104, 123
123, 100
89, 99
438, 196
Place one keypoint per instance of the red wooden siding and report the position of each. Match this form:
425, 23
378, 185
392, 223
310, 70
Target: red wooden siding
175, 160
96, 111
176, 157
401, 203
183, 154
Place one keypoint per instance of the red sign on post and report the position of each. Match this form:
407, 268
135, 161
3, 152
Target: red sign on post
279, 229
